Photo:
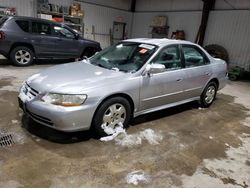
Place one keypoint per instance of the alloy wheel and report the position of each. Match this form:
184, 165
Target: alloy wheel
210, 94
23, 57
114, 115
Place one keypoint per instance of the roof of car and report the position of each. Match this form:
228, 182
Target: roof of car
34, 19
158, 42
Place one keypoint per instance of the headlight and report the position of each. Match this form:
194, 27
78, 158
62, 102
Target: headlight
64, 99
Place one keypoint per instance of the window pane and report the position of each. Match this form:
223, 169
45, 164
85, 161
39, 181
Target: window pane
64, 32
24, 25
41, 28
193, 57
169, 57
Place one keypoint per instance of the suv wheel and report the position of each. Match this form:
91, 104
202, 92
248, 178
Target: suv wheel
208, 95
112, 112
22, 56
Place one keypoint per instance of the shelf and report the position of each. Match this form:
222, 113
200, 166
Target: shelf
69, 16
72, 24
52, 13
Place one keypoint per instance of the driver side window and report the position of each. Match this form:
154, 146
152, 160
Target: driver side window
63, 32
169, 57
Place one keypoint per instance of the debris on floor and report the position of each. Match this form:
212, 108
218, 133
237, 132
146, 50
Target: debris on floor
120, 136
136, 177
14, 121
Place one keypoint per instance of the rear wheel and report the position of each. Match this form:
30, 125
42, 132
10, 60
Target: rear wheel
208, 95
112, 112
22, 56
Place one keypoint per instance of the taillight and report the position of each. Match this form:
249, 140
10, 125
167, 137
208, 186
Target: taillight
2, 35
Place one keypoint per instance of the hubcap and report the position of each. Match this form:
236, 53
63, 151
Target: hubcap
23, 57
210, 94
115, 114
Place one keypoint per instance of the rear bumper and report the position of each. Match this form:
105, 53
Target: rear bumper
223, 82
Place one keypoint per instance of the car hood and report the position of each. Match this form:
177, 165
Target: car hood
73, 78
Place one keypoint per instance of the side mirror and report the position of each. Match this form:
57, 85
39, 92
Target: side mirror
77, 36
155, 68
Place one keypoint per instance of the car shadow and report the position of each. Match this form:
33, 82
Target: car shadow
164, 113
53, 135
6, 62
74, 137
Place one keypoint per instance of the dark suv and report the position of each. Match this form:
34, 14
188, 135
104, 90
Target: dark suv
23, 39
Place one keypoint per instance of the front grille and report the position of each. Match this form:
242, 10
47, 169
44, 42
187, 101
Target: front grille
31, 90
40, 118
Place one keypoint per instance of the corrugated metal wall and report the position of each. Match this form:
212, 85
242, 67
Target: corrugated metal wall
231, 29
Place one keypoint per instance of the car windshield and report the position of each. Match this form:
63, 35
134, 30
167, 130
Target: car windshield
125, 56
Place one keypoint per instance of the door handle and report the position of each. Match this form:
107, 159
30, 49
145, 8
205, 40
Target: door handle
178, 80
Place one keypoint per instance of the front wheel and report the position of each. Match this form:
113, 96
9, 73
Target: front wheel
22, 56
208, 95
110, 114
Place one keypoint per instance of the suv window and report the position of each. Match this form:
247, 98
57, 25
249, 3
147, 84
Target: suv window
193, 56
24, 25
63, 32
41, 28
169, 57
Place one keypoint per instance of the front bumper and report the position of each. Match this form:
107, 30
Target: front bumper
68, 119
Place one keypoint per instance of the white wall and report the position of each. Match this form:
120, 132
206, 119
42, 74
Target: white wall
119, 4
168, 5
187, 21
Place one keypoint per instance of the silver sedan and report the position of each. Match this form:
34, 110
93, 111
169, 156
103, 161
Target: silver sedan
131, 78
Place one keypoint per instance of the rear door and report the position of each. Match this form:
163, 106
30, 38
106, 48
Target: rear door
67, 45
166, 87
42, 39
198, 70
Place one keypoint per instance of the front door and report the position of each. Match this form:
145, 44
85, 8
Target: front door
66, 45
42, 39
163, 88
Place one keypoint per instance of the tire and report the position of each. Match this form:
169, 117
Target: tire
217, 51
232, 77
22, 56
104, 109
208, 95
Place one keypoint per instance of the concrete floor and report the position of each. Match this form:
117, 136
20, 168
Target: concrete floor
200, 147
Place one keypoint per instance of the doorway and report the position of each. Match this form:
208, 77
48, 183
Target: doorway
118, 31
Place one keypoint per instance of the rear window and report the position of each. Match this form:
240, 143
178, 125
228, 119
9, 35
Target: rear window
24, 25
3, 20
41, 28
